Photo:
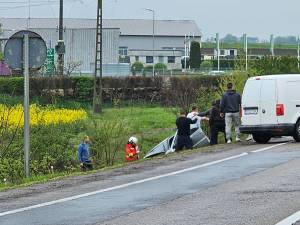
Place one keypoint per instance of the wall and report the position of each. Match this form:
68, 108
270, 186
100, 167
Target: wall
80, 45
145, 42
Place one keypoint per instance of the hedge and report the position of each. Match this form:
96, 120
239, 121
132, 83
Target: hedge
154, 89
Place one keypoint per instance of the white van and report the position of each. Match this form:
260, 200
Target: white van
271, 107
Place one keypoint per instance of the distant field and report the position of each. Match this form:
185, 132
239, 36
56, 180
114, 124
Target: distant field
239, 45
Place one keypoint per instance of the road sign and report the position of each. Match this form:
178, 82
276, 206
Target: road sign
23, 51
50, 61
13, 51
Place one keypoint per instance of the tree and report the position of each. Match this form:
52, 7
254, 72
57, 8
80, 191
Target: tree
160, 66
229, 38
137, 66
195, 55
286, 40
253, 40
71, 67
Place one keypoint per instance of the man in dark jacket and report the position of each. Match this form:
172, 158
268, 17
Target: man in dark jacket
183, 134
216, 123
230, 108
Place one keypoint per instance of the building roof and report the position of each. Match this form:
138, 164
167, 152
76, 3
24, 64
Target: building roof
128, 27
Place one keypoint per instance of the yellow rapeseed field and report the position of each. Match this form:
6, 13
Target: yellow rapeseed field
14, 116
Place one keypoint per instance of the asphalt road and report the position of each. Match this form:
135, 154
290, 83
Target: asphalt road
238, 186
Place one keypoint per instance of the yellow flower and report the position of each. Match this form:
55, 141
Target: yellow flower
14, 116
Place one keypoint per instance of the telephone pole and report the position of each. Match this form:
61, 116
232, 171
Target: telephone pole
60, 47
97, 99
218, 50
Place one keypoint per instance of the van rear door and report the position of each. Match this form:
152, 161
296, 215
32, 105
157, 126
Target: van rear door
251, 103
268, 102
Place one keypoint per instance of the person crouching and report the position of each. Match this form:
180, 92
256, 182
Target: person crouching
132, 150
84, 154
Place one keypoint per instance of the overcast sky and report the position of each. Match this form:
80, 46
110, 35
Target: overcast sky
255, 17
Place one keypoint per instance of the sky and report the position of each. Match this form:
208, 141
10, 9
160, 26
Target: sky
258, 18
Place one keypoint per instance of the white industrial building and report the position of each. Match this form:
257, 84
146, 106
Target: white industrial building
123, 40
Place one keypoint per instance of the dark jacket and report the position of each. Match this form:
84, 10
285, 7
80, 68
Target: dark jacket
230, 102
183, 125
215, 118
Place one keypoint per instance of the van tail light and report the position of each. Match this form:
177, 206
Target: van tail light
279, 110
241, 111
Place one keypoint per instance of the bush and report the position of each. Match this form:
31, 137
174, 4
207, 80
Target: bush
160, 66
185, 91
109, 139
276, 65
1, 56
224, 63
137, 66
207, 65
12, 86
83, 88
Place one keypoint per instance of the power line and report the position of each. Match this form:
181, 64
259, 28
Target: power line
33, 4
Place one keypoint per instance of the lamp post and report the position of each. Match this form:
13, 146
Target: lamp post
153, 36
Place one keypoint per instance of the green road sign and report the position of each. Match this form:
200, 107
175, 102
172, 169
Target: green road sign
50, 61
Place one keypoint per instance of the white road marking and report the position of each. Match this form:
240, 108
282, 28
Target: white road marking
131, 183
268, 148
290, 220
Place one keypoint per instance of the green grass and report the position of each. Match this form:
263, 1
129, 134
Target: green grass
150, 125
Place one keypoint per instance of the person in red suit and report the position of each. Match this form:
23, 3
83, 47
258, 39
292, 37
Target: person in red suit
132, 150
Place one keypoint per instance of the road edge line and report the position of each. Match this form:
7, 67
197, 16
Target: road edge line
15, 211
269, 147
290, 220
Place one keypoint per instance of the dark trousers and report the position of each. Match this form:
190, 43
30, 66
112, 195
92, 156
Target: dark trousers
87, 166
184, 141
214, 133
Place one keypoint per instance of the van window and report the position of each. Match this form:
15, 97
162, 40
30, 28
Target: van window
268, 90
252, 91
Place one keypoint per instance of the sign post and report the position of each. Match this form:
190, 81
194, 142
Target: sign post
26, 104
23, 51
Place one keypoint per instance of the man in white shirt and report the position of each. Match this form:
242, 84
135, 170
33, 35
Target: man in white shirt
195, 114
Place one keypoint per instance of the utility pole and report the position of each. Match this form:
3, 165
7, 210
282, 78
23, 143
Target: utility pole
272, 45
185, 52
97, 99
218, 50
60, 47
246, 50
1, 32
153, 37
298, 51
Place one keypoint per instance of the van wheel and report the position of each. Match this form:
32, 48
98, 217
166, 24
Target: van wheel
261, 138
297, 132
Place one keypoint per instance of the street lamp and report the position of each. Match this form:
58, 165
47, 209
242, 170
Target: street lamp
153, 36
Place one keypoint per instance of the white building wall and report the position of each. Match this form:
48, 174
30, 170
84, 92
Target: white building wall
145, 42
80, 45
158, 55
